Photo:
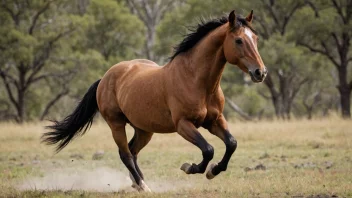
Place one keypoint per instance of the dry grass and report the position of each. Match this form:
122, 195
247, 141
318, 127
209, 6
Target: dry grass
296, 154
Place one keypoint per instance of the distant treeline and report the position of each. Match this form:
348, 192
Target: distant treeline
52, 51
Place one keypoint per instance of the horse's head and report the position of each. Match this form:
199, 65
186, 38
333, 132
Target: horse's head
240, 47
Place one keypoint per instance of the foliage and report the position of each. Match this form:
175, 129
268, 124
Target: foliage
51, 51
46, 46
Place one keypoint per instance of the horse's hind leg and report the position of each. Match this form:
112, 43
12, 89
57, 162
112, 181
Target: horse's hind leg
118, 132
138, 142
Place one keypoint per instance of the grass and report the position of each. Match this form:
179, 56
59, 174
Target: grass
301, 158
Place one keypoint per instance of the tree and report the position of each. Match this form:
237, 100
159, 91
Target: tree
113, 31
150, 12
331, 38
287, 73
32, 33
112, 35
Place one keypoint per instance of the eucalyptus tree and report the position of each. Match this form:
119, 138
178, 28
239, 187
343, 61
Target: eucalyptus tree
46, 45
327, 31
35, 37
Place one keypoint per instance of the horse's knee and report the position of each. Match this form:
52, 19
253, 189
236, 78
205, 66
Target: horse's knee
208, 152
231, 143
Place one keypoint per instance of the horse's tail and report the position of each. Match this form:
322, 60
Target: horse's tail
75, 124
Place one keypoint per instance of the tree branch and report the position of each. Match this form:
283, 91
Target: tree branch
133, 7
316, 50
39, 78
238, 109
12, 80
147, 10
314, 8
339, 11
39, 63
48, 75
36, 16
263, 95
52, 102
13, 16
316, 99
336, 40
296, 89
8, 89
265, 34
328, 53
269, 7
288, 17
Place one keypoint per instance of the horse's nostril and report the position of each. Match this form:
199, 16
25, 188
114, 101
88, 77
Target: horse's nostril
257, 72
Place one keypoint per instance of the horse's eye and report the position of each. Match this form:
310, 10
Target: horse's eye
239, 41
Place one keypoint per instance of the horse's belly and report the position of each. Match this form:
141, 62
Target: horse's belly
151, 119
147, 110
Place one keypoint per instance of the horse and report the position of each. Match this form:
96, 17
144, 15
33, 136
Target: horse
181, 96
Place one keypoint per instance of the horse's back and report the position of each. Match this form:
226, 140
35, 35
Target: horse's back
133, 68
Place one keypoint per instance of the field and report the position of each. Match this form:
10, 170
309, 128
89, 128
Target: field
296, 158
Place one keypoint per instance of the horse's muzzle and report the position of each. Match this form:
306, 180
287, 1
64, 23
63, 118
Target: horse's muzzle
258, 75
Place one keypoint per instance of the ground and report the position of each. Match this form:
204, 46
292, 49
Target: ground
296, 158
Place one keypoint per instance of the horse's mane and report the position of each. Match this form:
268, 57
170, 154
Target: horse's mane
201, 30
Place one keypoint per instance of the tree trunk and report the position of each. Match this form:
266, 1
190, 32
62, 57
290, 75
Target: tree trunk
310, 111
275, 96
150, 41
344, 89
345, 95
21, 93
20, 108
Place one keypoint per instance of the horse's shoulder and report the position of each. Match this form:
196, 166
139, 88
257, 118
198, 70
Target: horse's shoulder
215, 104
217, 96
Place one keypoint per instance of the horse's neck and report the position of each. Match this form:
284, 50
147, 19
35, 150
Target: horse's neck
205, 62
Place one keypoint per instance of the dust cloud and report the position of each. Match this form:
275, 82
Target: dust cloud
101, 179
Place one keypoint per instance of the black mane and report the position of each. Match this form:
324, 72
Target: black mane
201, 30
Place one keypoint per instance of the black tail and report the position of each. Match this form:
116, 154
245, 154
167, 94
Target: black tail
75, 124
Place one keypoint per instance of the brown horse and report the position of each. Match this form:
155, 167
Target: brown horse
181, 96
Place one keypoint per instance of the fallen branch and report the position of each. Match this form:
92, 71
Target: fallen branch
238, 110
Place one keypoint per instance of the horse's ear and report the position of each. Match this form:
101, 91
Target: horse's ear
249, 18
232, 19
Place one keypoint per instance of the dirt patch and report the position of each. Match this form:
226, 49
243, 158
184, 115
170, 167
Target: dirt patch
257, 167
322, 196
100, 180
326, 165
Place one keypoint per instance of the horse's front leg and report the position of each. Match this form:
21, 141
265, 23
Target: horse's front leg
189, 132
220, 129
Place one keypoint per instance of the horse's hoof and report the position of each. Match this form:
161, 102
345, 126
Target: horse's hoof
209, 174
186, 167
143, 187
135, 186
